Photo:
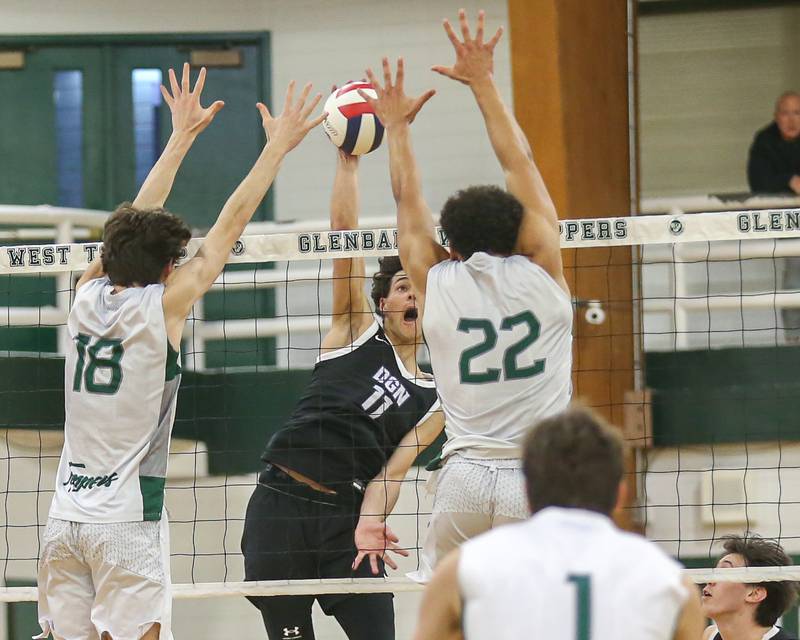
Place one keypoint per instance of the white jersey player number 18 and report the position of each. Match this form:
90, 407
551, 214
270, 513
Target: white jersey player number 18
104, 354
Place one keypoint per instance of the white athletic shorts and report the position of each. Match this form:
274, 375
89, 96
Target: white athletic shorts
472, 495
96, 578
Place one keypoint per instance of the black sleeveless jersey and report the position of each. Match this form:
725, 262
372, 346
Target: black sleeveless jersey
360, 403
780, 635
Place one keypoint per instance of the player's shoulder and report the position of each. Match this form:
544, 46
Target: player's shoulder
481, 262
93, 285
638, 546
768, 134
445, 266
499, 540
710, 632
373, 335
494, 548
518, 271
89, 294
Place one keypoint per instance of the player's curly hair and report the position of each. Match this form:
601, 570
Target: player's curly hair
382, 280
573, 459
762, 552
481, 218
138, 244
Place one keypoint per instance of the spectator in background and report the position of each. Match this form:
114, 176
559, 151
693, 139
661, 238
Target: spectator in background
774, 167
748, 610
774, 162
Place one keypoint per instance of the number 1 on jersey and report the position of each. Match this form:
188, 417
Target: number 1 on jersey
583, 605
377, 403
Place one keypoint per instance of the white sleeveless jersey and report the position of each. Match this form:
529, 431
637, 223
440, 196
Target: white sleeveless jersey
568, 574
121, 384
499, 332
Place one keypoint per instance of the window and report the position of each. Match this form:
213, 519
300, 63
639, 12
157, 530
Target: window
68, 102
146, 120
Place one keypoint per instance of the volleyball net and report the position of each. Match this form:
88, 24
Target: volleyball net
708, 309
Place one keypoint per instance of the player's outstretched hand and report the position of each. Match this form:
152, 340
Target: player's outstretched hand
393, 106
290, 126
375, 539
474, 57
188, 115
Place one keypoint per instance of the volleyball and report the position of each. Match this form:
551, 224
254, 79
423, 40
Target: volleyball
351, 123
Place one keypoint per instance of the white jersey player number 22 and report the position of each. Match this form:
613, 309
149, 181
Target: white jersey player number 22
499, 332
511, 369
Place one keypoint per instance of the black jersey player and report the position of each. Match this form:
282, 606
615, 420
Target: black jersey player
366, 413
742, 610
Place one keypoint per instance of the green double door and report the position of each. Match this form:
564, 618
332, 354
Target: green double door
80, 113
82, 122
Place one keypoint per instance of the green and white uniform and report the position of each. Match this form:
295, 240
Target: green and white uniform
571, 574
121, 386
499, 332
107, 535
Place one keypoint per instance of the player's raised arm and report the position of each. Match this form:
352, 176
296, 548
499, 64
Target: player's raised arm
416, 235
189, 119
474, 66
373, 537
284, 133
351, 313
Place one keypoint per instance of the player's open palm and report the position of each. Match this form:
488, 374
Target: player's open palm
290, 126
188, 115
393, 106
474, 57
374, 539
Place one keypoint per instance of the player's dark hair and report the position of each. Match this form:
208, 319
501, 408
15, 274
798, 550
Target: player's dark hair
382, 279
482, 218
761, 552
573, 459
138, 244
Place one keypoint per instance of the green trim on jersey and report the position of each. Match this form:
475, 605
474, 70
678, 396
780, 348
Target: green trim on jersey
173, 369
152, 489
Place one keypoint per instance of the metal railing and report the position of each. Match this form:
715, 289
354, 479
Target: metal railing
60, 225
681, 302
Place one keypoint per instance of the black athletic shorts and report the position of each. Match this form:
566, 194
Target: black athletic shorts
294, 532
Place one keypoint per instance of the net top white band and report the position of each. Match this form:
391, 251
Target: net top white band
750, 575
362, 243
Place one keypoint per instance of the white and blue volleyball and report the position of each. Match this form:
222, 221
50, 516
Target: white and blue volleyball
351, 123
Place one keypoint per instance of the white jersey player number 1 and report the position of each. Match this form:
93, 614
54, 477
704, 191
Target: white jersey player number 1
583, 611
511, 369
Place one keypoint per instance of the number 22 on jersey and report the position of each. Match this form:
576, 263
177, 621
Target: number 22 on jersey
104, 354
511, 369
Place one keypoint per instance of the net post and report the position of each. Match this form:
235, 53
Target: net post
637, 426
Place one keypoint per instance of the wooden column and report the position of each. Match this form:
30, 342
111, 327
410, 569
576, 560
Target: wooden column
570, 76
